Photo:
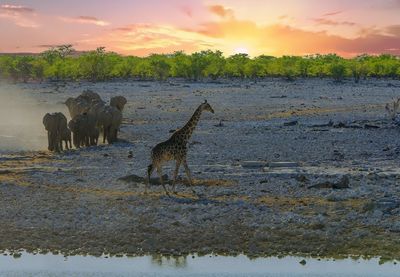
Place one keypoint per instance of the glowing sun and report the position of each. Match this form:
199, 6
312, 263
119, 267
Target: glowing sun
241, 50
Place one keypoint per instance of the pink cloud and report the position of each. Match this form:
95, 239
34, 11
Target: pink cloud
187, 11
325, 21
83, 19
20, 15
332, 13
16, 8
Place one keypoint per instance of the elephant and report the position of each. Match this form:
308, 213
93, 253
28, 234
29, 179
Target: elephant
55, 124
66, 137
95, 110
83, 103
94, 136
109, 118
85, 132
90, 96
77, 106
118, 102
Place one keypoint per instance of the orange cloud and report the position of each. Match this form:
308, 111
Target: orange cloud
281, 39
221, 11
230, 34
20, 15
212, 27
288, 40
145, 39
83, 19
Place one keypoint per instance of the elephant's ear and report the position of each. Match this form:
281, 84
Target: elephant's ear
45, 118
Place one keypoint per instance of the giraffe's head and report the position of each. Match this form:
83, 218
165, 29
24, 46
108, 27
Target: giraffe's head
206, 107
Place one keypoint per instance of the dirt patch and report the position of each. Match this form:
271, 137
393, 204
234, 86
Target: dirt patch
197, 182
77, 202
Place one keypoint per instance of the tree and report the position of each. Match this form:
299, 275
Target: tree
287, 67
160, 66
303, 65
338, 71
215, 64
99, 65
235, 65
198, 65
23, 68
125, 67
181, 65
6, 67
96, 65
38, 68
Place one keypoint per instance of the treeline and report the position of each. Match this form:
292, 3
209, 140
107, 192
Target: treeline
61, 63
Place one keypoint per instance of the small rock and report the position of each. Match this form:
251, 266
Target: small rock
303, 262
329, 124
253, 164
220, 124
340, 125
283, 164
370, 126
342, 184
291, 123
279, 96
301, 178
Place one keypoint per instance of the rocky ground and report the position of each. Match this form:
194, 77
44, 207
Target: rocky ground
308, 167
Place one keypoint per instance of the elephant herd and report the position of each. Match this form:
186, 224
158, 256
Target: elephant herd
90, 116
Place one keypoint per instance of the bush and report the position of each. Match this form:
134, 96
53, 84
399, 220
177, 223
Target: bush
338, 71
98, 65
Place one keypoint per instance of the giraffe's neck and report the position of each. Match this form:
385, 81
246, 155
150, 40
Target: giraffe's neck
188, 129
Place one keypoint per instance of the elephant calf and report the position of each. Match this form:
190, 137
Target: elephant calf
109, 119
56, 127
66, 137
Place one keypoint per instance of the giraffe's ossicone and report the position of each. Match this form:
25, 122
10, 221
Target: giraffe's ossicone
175, 148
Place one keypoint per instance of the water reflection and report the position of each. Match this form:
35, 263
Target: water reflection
169, 261
208, 266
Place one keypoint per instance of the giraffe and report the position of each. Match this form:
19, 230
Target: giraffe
175, 148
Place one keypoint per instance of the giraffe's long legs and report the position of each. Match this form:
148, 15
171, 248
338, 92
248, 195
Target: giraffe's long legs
177, 165
150, 170
159, 171
189, 175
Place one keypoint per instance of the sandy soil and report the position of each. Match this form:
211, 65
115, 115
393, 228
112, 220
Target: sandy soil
90, 201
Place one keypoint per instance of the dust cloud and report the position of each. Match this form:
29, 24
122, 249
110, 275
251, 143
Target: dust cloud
21, 115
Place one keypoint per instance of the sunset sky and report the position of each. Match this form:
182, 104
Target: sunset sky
142, 27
